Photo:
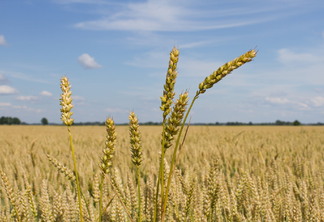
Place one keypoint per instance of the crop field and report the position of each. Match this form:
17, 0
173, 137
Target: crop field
171, 172
223, 173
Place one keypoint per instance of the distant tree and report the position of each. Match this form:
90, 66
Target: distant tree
16, 121
279, 122
296, 123
44, 121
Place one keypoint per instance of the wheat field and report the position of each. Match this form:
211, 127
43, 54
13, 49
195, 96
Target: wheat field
258, 173
171, 172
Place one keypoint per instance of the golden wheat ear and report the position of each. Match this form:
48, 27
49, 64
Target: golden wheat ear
66, 102
10, 193
168, 93
68, 173
224, 70
109, 150
135, 139
174, 121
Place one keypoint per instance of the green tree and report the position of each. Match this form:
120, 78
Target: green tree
44, 121
296, 123
9, 120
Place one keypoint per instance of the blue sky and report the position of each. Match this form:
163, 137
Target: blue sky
116, 53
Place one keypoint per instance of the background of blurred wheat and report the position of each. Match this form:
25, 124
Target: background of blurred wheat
241, 173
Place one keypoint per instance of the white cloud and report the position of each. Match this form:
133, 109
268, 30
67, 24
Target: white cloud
116, 110
277, 100
46, 93
195, 44
318, 101
78, 98
305, 103
2, 78
2, 40
25, 108
88, 62
5, 104
79, 1
288, 56
26, 98
23, 76
188, 66
168, 15
7, 90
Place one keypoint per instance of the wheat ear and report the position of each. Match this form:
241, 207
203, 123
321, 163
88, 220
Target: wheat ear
109, 150
66, 102
224, 70
61, 168
10, 193
168, 93
108, 154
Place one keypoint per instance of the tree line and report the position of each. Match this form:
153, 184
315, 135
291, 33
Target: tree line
6, 120
9, 120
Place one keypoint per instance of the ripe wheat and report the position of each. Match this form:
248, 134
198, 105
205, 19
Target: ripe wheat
211, 173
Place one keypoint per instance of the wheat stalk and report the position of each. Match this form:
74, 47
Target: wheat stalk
136, 150
66, 113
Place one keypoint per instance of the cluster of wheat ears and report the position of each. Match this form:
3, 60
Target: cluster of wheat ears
169, 194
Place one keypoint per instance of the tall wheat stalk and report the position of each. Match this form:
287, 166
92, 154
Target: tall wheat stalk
136, 150
66, 113
166, 105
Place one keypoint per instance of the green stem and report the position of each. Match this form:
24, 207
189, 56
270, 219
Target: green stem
174, 158
76, 173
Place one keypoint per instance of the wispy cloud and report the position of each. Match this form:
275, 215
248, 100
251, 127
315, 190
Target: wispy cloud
88, 61
3, 79
190, 45
116, 110
7, 90
304, 103
277, 100
27, 108
23, 76
80, 1
188, 66
167, 15
318, 101
5, 104
10, 106
3, 40
46, 93
27, 98
289, 56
